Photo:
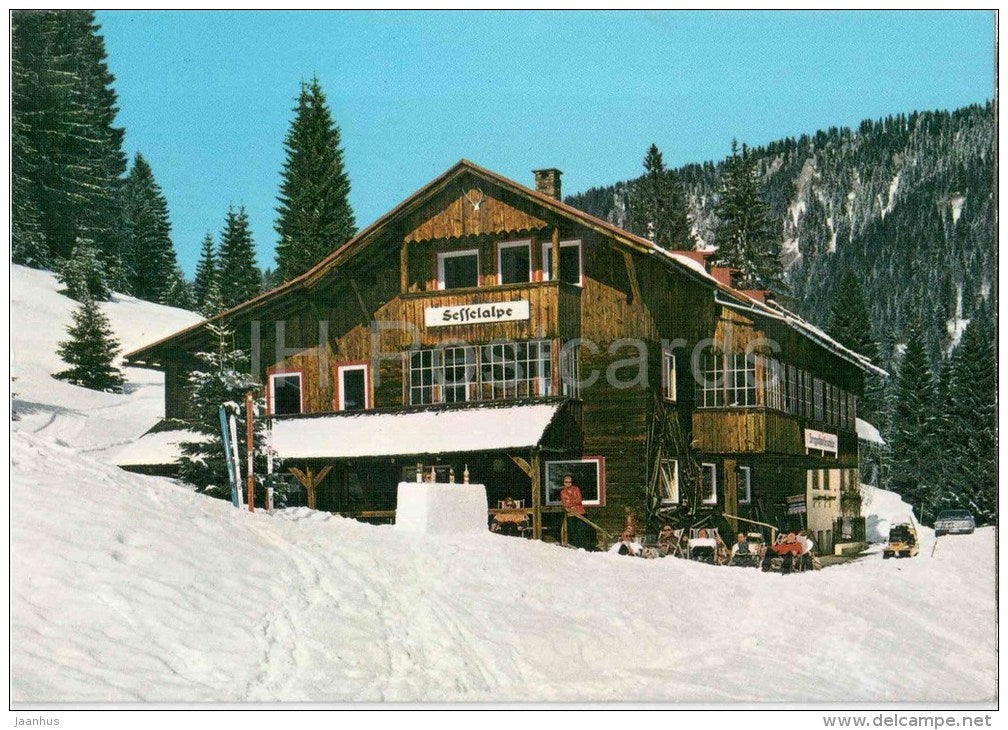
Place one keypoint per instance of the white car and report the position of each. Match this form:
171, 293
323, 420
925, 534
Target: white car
953, 521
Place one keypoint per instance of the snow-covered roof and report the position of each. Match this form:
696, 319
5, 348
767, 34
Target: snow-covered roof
868, 432
155, 449
481, 428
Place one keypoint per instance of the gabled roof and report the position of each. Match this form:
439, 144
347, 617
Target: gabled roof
685, 262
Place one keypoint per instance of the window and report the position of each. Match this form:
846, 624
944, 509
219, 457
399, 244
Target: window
442, 375
743, 481
588, 473
831, 405
570, 370
792, 390
514, 262
741, 380
773, 376
817, 393
285, 394
352, 387
458, 269
669, 476
516, 370
570, 262
712, 380
668, 375
708, 473
806, 393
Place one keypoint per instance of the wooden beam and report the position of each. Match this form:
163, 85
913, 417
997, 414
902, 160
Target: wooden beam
523, 465
536, 465
555, 255
310, 481
403, 268
632, 275
360, 301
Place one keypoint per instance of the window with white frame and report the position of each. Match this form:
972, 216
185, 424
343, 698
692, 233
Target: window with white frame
773, 384
285, 394
516, 370
743, 481
668, 375
741, 379
570, 262
668, 473
588, 473
514, 262
806, 393
353, 387
792, 390
458, 269
442, 375
817, 395
712, 380
570, 369
708, 486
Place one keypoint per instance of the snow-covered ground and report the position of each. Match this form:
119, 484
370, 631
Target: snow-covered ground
132, 588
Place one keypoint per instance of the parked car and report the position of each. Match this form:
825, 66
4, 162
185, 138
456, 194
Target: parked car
954, 521
902, 542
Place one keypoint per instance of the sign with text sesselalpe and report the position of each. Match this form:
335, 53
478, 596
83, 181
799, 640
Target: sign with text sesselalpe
821, 441
515, 311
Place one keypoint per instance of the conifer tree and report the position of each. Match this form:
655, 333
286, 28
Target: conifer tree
150, 260
656, 206
206, 271
970, 426
178, 291
68, 161
222, 379
745, 237
91, 350
238, 277
850, 325
315, 217
914, 425
83, 275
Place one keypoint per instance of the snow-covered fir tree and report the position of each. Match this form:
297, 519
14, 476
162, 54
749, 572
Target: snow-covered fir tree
914, 426
968, 444
206, 271
656, 206
850, 325
315, 216
91, 351
68, 160
83, 275
150, 259
238, 276
221, 379
178, 291
745, 237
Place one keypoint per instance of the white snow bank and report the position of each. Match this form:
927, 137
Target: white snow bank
151, 449
420, 432
868, 432
434, 508
882, 509
132, 588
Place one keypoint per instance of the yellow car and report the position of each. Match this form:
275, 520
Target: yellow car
903, 542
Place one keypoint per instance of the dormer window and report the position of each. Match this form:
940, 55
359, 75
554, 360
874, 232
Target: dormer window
458, 269
514, 262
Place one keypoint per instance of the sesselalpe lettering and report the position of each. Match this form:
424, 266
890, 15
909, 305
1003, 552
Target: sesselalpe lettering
472, 314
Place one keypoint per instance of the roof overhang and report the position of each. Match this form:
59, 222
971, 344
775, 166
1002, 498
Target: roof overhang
485, 427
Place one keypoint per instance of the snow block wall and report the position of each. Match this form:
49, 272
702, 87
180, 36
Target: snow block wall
436, 508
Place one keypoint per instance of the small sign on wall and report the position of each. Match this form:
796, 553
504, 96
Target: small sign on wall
515, 311
821, 441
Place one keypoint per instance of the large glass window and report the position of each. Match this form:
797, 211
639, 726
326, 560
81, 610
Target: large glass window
817, 395
516, 370
570, 262
494, 371
712, 380
285, 394
458, 269
570, 370
443, 375
741, 380
669, 475
514, 262
588, 474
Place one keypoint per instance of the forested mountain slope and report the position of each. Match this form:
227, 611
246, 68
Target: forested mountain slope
908, 202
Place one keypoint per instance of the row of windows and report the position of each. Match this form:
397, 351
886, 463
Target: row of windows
669, 483
738, 380
460, 269
491, 372
285, 392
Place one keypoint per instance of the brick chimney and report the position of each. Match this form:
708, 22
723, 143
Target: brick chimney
547, 182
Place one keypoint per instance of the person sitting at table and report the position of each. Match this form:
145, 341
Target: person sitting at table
627, 545
740, 549
508, 524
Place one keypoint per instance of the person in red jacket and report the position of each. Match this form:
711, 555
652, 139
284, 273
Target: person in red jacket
579, 534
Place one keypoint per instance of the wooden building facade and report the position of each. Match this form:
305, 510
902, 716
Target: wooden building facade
670, 393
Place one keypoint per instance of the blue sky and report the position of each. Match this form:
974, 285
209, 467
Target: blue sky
207, 96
